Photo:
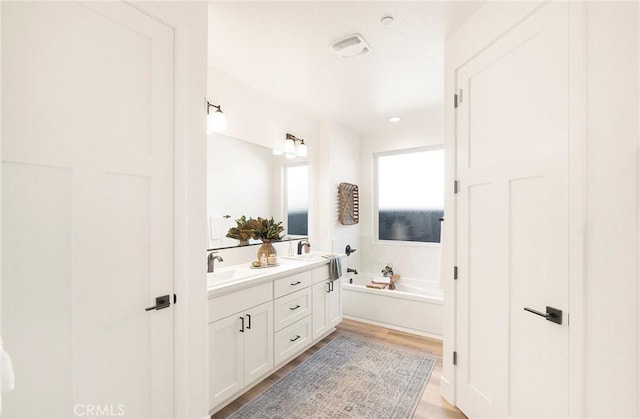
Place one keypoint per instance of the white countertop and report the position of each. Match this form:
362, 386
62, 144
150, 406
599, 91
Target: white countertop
233, 278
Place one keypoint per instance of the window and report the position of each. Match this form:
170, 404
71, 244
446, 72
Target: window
296, 199
410, 194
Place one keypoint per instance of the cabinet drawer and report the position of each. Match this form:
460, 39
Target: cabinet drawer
320, 274
292, 340
284, 286
226, 305
292, 307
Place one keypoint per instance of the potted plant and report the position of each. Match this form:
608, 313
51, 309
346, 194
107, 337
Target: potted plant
242, 231
268, 231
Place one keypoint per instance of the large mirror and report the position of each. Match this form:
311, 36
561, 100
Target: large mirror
247, 179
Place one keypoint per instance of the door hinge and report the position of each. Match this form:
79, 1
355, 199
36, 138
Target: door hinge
455, 358
456, 186
455, 272
457, 98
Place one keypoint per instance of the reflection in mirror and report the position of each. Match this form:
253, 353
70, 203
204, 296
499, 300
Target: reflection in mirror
297, 199
244, 178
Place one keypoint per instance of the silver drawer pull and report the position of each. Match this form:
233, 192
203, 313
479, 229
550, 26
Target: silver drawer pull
295, 308
294, 339
296, 283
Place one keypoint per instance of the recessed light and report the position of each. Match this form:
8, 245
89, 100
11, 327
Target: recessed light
386, 20
394, 119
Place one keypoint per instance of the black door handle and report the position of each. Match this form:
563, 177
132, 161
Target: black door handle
161, 302
294, 308
553, 314
242, 327
296, 283
249, 318
294, 339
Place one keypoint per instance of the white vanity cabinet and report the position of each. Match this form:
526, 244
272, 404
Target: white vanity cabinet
240, 344
258, 324
326, 305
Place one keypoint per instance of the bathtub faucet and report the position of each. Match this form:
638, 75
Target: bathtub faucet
354, 271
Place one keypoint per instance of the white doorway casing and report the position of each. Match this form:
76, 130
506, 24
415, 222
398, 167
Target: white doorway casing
603, 251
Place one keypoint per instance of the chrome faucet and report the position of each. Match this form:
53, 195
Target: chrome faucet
354, 271
211, 259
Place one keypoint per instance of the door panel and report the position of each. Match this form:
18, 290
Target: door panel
88, 98
512, 220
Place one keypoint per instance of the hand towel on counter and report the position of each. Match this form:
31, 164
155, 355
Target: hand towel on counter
7, 378
335, 268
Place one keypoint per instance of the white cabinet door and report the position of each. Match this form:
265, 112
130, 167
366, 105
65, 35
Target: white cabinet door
334, 304
258, 342
327, 307
226, 352
87, 208
320, 292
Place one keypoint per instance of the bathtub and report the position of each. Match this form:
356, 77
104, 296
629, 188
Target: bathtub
414, 307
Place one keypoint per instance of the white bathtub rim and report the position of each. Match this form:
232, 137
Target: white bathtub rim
394, 327
431, 297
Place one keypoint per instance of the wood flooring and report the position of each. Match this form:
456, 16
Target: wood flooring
431, 405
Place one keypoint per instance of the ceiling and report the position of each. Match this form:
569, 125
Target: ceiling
283, 49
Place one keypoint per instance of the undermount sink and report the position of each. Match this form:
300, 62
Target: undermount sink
225, 276
307, 256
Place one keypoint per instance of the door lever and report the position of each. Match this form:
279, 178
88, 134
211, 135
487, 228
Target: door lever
161, 302
553, 314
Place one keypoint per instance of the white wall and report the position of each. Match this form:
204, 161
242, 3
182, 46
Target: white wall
420, 261
339, 162
604, 73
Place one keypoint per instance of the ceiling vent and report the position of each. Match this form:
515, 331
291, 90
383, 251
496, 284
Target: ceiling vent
351, 46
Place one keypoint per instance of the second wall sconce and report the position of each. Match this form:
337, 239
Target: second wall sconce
294, 147
216, 119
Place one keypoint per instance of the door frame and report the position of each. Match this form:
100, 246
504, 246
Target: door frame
189, 22
487, 25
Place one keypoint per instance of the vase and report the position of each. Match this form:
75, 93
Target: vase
266, 249
244, 242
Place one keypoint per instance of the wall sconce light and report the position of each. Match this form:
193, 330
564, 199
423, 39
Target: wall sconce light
216, 120
294, 147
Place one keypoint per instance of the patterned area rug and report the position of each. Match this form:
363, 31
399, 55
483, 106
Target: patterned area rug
348, 377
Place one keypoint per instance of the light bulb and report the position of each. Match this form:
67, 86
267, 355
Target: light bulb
216, 122
289, 146
301, 150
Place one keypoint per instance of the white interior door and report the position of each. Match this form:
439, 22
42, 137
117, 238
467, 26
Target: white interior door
512, 222
87, 209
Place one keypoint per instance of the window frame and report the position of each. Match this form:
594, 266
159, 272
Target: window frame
376, 207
